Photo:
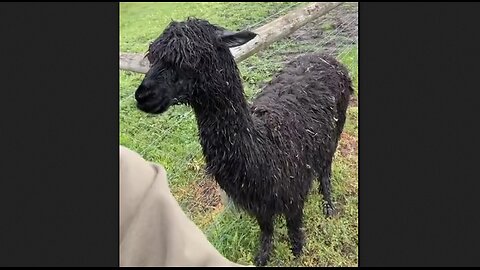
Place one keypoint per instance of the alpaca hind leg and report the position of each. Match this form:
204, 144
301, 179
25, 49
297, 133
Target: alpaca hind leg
326, 190
295, 233
266, 240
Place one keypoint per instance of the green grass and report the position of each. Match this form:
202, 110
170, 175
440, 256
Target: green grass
171, 140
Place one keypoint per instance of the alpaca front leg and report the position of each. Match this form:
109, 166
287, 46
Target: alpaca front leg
295, 233
266, 240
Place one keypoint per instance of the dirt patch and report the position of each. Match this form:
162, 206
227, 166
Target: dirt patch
348, 145
329, 33
336, 28
206, 195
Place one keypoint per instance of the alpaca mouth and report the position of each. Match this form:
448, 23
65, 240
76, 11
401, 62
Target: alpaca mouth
154, 107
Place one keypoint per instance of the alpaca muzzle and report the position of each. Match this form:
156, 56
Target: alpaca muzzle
149, 104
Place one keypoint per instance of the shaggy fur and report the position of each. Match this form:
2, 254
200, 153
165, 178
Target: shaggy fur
264, 155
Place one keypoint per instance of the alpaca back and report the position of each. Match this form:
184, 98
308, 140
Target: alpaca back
303, 110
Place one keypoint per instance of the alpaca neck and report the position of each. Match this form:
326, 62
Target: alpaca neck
227, 133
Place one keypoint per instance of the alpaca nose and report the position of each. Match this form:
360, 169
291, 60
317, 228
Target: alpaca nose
143, 94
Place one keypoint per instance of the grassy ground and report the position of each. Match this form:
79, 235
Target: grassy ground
171, 139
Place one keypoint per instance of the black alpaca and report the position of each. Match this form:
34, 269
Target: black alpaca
264, 155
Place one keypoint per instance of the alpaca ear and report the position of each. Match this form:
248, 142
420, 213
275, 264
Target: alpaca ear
232, 39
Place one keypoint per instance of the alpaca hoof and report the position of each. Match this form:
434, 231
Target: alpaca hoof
329, 210
297, 244
261, 260
297, 252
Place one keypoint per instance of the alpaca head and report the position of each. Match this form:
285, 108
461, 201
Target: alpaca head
186, 61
